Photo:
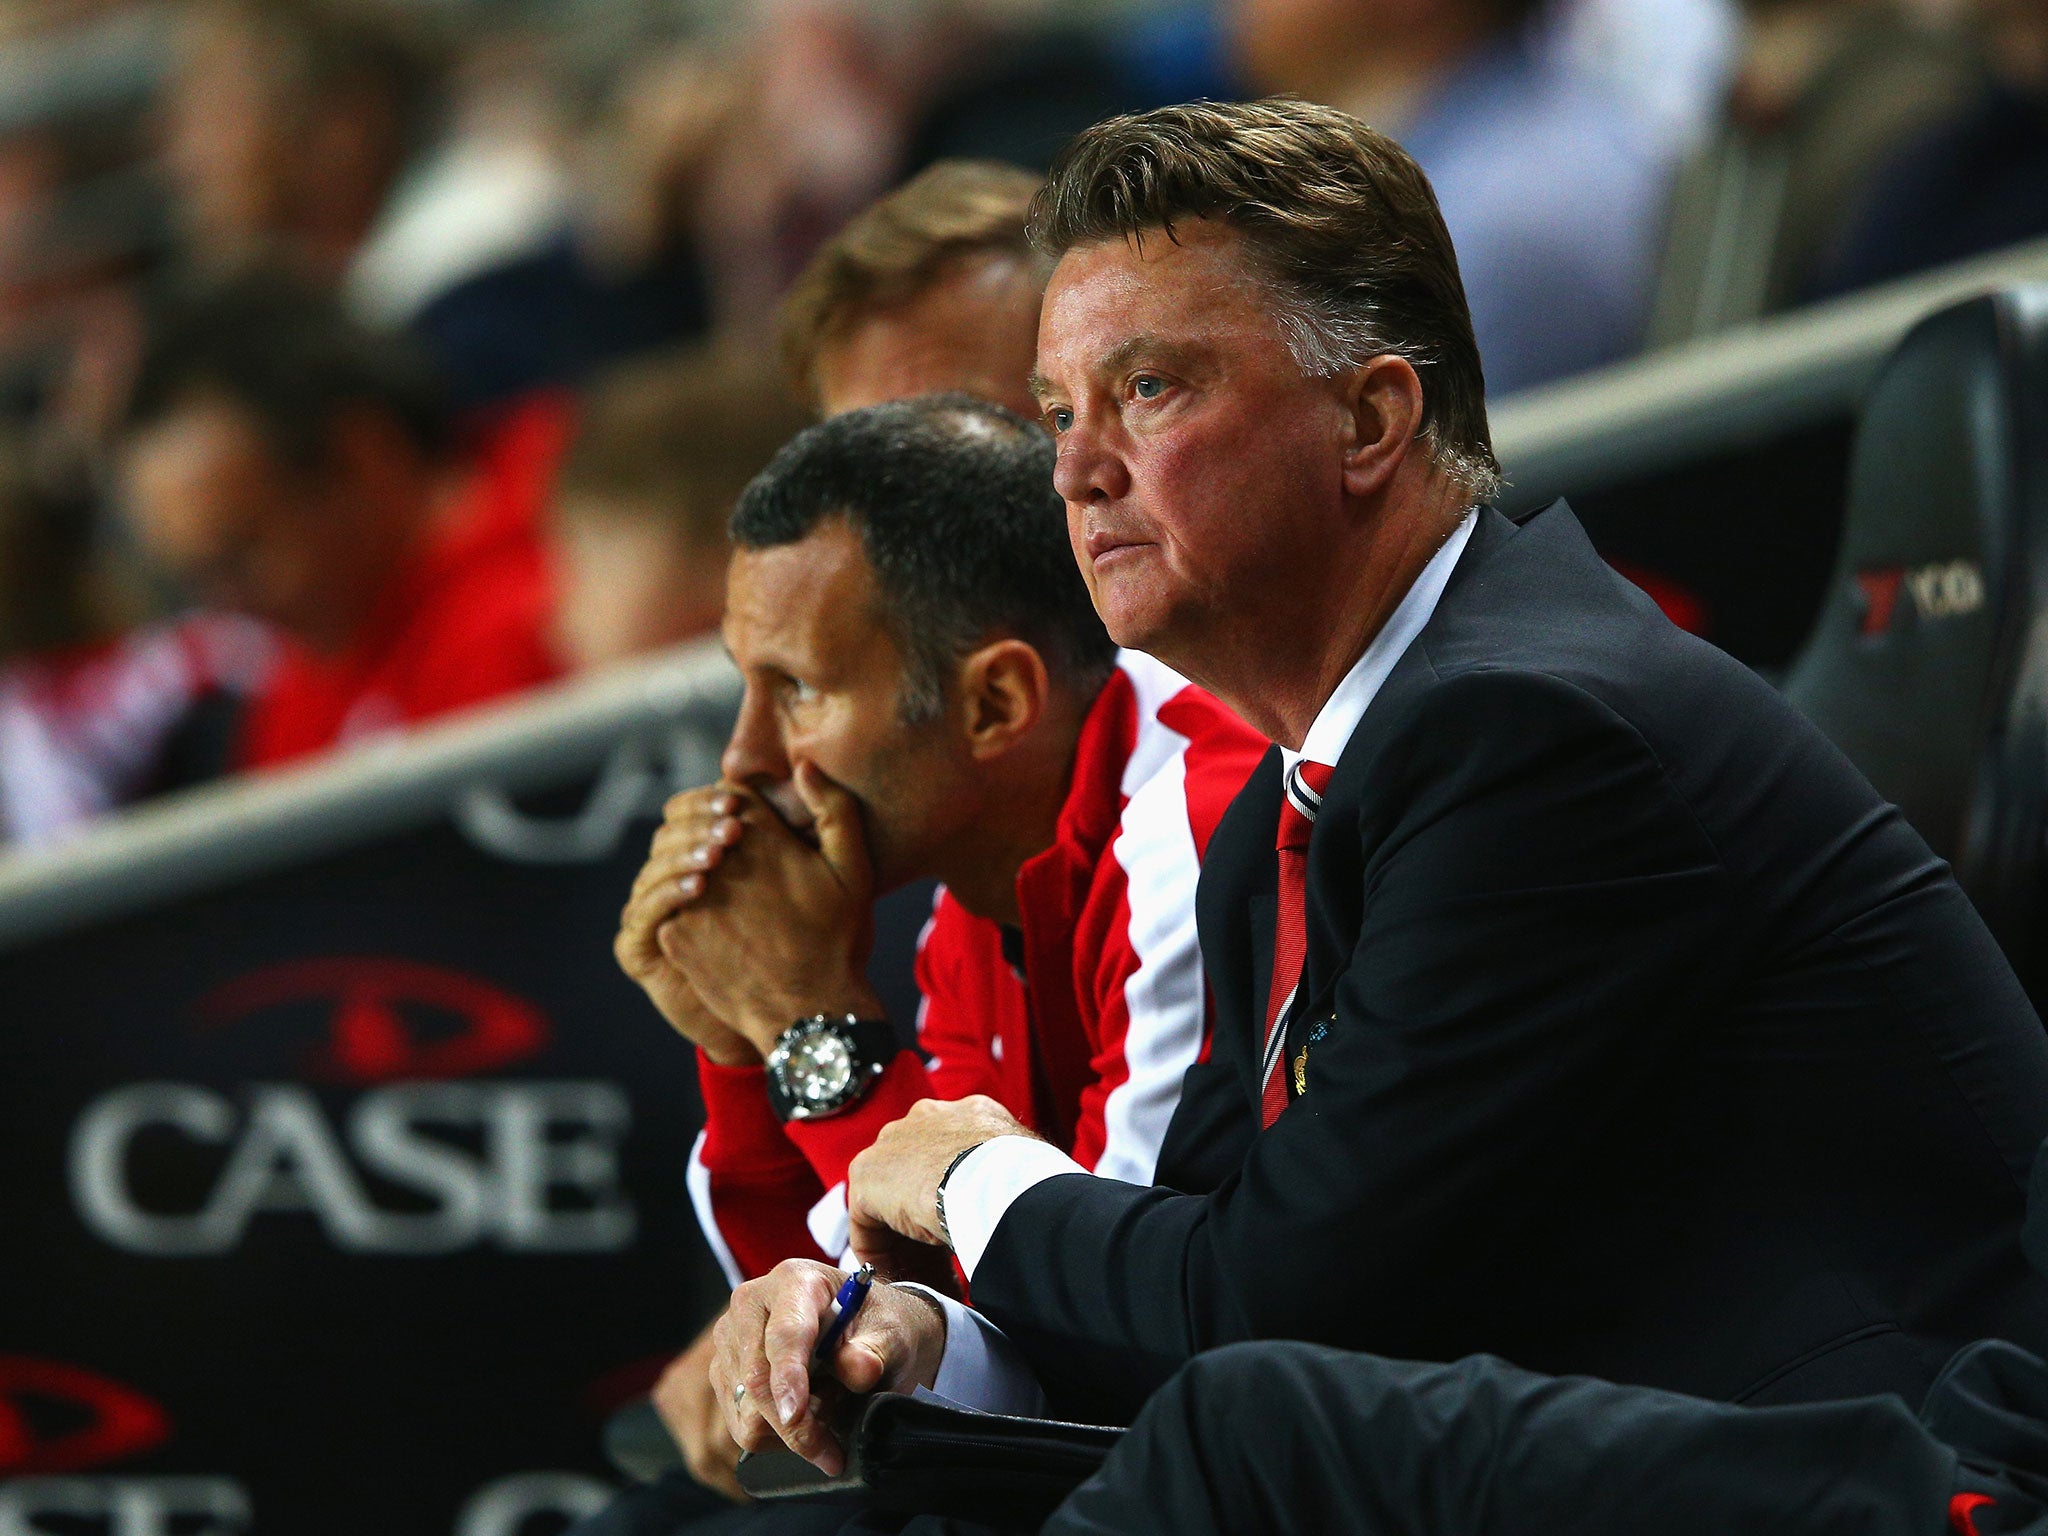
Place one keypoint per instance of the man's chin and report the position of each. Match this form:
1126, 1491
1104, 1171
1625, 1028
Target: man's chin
1132, 625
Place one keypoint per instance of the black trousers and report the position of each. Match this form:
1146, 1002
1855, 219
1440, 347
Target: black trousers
1277, 1439
1297, 1440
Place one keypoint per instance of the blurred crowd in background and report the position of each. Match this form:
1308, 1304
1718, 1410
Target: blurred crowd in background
363, 360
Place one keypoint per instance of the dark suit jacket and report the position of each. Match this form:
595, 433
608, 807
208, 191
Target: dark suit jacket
1657, 1048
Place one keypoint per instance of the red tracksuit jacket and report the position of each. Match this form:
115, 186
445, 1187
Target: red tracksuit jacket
1082, 1024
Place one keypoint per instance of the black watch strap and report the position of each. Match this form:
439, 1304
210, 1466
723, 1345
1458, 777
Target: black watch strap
875, 1040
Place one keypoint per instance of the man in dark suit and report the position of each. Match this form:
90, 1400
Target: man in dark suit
1377, 1447
1576, 1001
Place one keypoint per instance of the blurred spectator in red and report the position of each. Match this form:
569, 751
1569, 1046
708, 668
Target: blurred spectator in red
89, 725
934, 287
89, 729
1970, 184
1552, 182
1825, 93
662, 450
291, 465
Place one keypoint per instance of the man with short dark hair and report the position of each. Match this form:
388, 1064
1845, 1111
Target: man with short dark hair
929, 694
1576, 1001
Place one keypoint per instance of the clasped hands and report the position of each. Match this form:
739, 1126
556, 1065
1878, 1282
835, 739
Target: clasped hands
738, 925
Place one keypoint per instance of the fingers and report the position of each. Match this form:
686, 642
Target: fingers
687, 818
899, 1258
790, 1336
688, 1405
739, 1363
763, 1345
872, 1240
896, 1343
684, 851
837, 824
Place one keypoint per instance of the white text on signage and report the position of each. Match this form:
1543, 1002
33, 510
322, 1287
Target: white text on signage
543, 1176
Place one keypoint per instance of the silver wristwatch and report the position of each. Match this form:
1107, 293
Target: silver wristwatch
826, 1063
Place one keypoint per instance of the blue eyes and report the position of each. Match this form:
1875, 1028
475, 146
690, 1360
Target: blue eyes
1145, 386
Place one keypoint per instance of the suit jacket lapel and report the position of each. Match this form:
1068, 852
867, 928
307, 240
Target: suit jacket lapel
1234, 909
1343, 842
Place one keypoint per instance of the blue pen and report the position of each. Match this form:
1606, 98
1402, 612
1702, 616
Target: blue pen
852, 1296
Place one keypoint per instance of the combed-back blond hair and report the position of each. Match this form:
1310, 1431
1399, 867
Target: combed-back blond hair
901, 246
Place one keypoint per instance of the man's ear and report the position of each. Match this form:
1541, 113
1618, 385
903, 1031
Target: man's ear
1385, 402
1004, 688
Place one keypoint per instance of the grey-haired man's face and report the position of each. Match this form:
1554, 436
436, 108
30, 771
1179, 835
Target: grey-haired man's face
1199, 464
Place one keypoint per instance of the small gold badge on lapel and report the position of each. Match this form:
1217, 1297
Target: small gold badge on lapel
1316, 1033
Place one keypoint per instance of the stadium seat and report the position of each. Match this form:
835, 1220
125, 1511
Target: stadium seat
1928, 665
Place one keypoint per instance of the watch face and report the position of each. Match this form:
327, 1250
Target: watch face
819, 1067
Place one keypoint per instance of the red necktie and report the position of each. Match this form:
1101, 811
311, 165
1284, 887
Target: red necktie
1305, 784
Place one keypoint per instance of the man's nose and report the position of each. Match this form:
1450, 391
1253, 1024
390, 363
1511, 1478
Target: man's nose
755, 752
1089, 468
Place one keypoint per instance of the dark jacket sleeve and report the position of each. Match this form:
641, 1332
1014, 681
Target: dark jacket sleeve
1539, 916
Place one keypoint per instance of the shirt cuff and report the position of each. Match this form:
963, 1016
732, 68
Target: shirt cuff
830, 1226
981, 1367
988, 1181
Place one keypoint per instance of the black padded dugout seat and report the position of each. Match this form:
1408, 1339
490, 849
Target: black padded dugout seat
1928, 665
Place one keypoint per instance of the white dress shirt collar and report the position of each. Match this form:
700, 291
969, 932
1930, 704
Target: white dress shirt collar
1338, 718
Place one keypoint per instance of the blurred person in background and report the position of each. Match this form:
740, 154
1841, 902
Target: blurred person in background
1551, 181
1972, 183
933, 287
663, 448
619, 272
348, 141
289, 464
93, 718
838, 100
288, 125
1825, 93
1674, 57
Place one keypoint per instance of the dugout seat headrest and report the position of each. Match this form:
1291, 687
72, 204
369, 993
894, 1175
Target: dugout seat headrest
1929, 663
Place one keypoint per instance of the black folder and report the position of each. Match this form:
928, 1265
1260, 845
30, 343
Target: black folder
911, 1453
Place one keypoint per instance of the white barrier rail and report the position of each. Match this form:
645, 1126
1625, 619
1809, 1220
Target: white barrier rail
1761, 381
674, 708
